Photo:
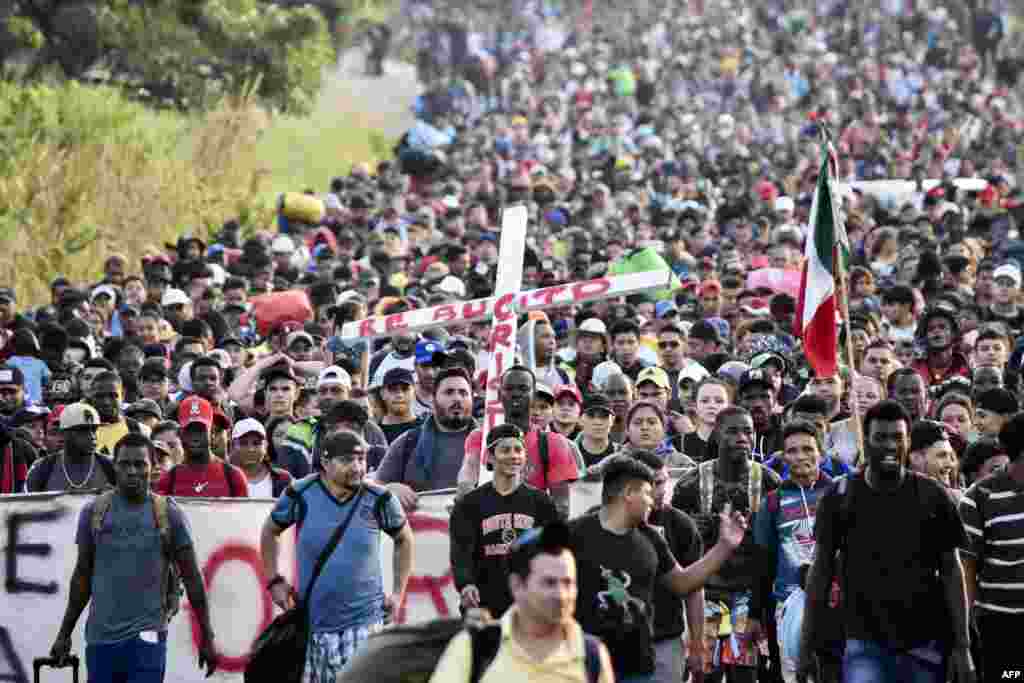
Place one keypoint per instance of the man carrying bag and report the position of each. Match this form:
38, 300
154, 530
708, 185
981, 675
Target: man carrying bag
315, 638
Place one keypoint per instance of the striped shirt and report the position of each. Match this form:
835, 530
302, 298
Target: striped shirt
993, 515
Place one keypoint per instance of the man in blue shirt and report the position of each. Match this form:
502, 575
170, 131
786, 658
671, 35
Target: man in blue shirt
348, 603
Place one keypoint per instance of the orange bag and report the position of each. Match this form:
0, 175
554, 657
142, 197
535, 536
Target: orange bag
278, 307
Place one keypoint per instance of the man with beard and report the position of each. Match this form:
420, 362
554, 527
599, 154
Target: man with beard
200, 476
909, 626
429, 457
622, 559
940, 331
732, 480
12, 393
757, 395
908, 388
78, 467
551, 460
347, 602
486, 521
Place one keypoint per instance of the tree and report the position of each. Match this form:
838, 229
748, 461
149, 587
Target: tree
179, 53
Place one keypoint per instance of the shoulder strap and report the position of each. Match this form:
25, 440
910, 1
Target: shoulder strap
100, 507
172, 476
545, 457
331, 545
229, 479
484, 644
755, 486
592, 657
163, 521
46, 466
706, 486
410, 439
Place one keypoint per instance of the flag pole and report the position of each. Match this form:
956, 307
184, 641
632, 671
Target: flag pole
839, 268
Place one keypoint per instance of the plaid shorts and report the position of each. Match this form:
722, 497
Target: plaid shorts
328, 653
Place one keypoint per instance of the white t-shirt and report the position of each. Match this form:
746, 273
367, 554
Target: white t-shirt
264, 488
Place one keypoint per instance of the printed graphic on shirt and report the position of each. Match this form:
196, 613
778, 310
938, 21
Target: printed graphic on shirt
616, 596
508, 525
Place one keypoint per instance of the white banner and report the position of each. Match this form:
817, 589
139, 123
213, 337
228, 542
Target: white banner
37, 535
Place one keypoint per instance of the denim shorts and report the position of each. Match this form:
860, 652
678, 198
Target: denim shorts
136, 660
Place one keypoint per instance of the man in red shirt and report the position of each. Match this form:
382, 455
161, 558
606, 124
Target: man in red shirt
551, 462
940, 331
201, 475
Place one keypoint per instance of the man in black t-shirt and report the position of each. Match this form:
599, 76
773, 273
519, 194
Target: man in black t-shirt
620, 559
489, 518
904, 603
670, 621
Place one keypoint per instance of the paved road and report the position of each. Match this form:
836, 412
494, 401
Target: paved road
385, 102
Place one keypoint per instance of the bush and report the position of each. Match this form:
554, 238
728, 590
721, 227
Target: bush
185, 54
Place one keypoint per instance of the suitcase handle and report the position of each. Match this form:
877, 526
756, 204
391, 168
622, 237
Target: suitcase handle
54, 663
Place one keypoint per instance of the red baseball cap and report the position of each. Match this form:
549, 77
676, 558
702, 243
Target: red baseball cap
195, 409
570, 389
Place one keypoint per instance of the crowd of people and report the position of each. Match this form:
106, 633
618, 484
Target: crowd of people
822, 525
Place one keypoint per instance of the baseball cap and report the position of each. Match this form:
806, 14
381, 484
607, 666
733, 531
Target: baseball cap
174, 297
763, 359
563, 390
79, 415
145, 406
282, 244
754, 377
7, 294
333, 375
544, 389
103, 289
427, 350
1008, 270
452, 285
663, 308
757, 307
926, 433
398, 376
247, 426
656, 375
195, 409
592, 326
705, 331
298, 335
11, 375
597, 404
29, 414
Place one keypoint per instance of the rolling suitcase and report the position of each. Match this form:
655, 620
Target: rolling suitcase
71, 661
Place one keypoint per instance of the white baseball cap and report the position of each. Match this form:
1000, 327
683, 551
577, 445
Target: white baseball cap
103, 289
173, 297
333, 375
246, 426
1008, 270
593, 326
452, 285
282, 244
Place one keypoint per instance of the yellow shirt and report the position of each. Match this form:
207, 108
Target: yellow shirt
108, 435
565, 665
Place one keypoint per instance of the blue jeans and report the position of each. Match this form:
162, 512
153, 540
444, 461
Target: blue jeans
637, 678
131, 661
866, 661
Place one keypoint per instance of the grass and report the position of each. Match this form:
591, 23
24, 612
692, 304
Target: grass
97, 174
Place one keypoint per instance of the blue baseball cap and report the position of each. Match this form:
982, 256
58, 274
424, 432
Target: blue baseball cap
427, 350
663, 308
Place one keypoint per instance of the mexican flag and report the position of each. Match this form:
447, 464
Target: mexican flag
826, 249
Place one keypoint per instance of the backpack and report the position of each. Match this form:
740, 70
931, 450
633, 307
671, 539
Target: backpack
173, 475
173, 587
706, 489
297, 488
47, 464
485, 643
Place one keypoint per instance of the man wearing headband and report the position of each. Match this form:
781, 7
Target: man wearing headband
487, 520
